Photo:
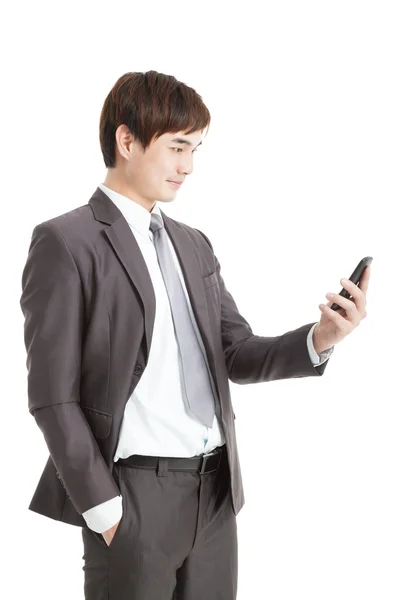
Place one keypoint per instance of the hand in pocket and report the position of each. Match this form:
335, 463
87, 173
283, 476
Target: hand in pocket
109, 533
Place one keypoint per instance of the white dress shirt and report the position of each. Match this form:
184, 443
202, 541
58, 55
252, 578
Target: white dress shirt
156, 421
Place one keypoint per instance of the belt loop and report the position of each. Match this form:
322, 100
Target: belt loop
162, 467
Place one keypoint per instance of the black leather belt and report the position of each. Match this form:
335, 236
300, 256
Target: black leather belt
205, 463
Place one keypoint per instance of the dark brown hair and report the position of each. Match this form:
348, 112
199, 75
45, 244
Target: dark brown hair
149, 104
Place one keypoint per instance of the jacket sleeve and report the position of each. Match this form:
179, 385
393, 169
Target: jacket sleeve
52, 303
251, 358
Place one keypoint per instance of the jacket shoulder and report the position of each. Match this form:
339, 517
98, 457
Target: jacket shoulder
198, 236
71, 224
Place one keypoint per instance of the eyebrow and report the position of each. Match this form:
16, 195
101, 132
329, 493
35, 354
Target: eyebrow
179, 140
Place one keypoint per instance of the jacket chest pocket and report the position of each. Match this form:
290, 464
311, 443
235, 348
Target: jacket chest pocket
210, 280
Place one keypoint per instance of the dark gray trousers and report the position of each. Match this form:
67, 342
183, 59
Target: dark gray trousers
177, 539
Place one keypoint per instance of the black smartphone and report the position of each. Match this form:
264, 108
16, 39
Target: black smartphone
355, 277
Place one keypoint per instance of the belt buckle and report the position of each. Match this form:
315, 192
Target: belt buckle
204, 461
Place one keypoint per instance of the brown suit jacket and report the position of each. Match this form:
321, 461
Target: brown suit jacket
89, 307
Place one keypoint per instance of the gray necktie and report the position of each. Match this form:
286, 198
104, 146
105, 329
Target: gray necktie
196, 380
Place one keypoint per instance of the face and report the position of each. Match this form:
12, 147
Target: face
145, 176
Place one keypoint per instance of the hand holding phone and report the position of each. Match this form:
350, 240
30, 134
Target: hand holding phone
355, 277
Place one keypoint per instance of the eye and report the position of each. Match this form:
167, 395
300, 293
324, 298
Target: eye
181, 149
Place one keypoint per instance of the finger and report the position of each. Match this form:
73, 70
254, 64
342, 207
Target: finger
341, 311
358, 295
357, 290
353, 289
348, 305
341, 322
365, 279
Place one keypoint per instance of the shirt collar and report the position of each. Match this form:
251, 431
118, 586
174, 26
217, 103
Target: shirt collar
136, 215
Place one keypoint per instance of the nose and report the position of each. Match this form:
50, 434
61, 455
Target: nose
186, 166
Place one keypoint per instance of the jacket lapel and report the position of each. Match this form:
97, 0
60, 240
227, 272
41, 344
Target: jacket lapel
126, 247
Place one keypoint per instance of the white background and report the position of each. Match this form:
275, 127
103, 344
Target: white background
297, 180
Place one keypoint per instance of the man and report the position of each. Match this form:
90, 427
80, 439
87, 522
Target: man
132, 338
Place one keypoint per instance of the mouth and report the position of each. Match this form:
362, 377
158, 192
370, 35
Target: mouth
177, 184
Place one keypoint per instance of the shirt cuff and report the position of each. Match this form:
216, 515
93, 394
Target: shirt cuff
103, 516
317, 359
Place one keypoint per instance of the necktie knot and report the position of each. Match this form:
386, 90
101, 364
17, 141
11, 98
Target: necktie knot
156, 223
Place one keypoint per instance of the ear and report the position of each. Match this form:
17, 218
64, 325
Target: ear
123, 141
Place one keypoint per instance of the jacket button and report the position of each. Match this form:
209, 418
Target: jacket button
138, 369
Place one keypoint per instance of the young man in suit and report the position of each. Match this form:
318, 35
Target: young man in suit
132, 338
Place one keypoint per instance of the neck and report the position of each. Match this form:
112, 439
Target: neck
116, 184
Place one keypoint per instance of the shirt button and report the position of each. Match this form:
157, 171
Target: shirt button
138, 369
